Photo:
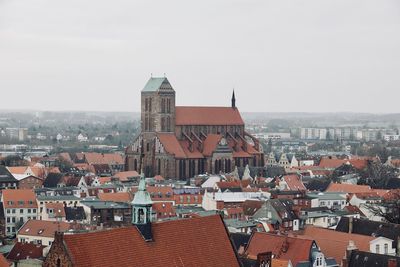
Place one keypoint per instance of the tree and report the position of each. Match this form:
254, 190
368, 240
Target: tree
389, 208
378, 175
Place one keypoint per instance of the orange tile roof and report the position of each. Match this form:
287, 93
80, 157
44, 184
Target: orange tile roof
348, 188
334, 244
280, 263
57, 207
189, 242
298, 249
12, 198
195, 154
294, 183
43, 228
17, 170
232, 184
124, 176
334, 163
171, 144
208, 116
104, 180
115, 197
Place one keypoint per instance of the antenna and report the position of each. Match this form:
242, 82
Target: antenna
151, 75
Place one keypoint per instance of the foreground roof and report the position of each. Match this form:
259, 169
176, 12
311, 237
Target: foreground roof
191, 242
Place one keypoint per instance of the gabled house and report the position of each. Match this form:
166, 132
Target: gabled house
280, 213
300, 251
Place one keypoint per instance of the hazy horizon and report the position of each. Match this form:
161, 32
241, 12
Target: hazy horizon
305, 56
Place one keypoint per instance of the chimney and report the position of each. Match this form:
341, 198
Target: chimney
350, 248
392, 263
351, 225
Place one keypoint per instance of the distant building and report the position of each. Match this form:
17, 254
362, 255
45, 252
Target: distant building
19, 134
181, 142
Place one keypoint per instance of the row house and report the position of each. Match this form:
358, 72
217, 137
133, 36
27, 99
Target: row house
19, 206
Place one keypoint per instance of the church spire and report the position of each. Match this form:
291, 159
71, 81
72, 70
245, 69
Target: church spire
233, 99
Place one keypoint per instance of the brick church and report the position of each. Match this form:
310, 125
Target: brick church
180, 142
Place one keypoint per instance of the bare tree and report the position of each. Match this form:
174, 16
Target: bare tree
389, 208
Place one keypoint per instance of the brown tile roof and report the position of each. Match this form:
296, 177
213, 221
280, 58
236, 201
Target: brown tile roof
348, 188
208, 116
190, 242
251, 206
194, 154
115, 197
22, 251
297, 249
13, 197
124, 176
43, 228
58, 209
334, 244
280, 263
171, 144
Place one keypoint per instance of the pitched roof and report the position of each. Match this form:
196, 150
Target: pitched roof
157, 83
115, 197
190, 242
74, 213
43, 228
282, 247
369, 228
104, 158
294, 183
208, 116
171, 144
348, 188
52, 179
333, 163
211, 143
367, 259
334, 244
3, 261
22, 251
124, 176
6, 176
58, 209
19, 198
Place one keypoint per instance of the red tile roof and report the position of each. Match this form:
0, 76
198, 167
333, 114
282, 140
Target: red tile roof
297, 249
190, 242
348, 188
333, 163
124, 176
101, 158
294, 183
19, 198
43, 228
210, 144
171, 144
58, 209
208, 116
334, 244
3, 261
115, 197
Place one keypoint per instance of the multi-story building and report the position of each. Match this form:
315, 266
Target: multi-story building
19, 134
181, 142
19, 206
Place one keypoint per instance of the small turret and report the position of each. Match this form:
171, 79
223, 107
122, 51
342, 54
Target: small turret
141, 210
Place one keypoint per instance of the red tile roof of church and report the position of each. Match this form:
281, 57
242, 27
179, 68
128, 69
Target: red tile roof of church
189, 242
171, 144
211, 143
208, 116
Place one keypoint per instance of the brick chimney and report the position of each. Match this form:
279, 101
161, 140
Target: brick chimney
350, 248
392, 263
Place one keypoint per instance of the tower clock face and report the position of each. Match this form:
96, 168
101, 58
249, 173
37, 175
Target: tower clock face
223, 142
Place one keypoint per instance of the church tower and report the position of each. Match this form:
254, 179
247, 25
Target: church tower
157, 116
141, 210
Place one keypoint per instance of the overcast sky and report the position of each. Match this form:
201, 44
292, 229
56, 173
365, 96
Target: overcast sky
279, 55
